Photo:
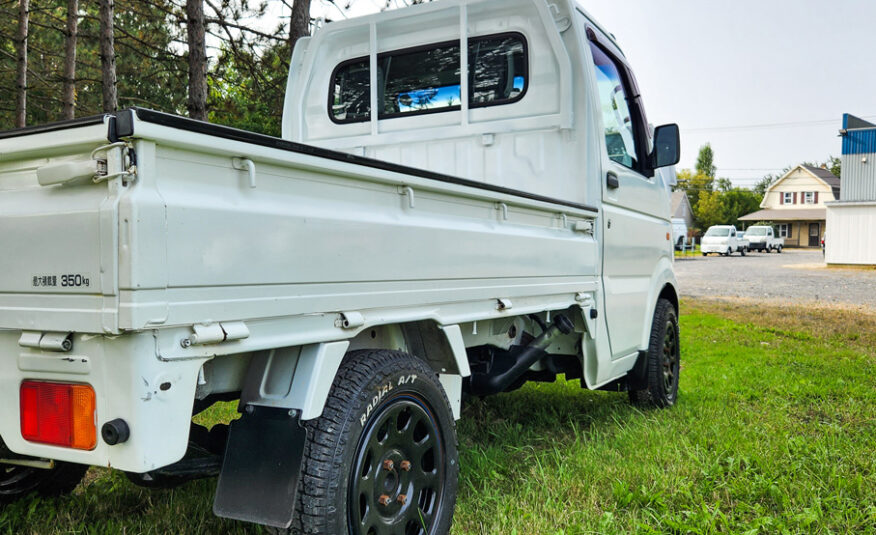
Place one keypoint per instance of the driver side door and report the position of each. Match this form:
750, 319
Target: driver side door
636, 227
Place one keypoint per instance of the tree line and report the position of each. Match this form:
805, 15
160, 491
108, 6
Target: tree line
61, 59
715, 201
224, 61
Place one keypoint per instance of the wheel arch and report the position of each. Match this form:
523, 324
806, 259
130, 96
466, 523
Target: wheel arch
669, 293
300, 377
663, 285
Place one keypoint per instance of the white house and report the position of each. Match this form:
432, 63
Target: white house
796, 205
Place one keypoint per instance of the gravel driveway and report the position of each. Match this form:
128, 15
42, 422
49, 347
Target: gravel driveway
794, 276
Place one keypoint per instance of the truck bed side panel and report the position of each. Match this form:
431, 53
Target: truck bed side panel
309, 240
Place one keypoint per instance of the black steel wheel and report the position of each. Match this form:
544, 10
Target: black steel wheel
382, 458
399, 473
663, 360
17, 482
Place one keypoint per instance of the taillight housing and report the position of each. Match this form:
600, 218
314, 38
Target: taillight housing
59, 414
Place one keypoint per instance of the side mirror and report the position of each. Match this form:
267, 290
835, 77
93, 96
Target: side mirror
667, 146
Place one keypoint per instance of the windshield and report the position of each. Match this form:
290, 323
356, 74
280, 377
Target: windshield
757, 231
714, 231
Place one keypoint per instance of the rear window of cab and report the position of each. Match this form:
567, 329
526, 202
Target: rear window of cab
428, 79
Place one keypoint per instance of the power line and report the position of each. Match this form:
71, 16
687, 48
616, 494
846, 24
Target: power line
768, 125
750, 168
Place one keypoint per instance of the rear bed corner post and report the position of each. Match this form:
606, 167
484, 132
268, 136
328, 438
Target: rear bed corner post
120, 125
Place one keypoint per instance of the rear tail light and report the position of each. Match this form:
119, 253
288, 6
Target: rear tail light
59, 414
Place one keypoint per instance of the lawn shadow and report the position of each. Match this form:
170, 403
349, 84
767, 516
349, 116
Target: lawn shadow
544, 413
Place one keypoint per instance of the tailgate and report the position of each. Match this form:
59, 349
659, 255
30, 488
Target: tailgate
58, 244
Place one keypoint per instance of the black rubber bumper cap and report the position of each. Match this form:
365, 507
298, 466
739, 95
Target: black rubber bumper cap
115, 432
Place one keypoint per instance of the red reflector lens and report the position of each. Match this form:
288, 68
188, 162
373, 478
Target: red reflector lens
58, 414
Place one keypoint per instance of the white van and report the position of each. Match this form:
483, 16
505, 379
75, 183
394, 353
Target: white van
679, 232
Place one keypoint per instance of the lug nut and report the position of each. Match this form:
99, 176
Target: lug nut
388, 465
406, 466
383, 500
402, 499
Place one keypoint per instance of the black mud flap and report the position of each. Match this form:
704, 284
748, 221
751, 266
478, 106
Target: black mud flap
637, 378
260, 471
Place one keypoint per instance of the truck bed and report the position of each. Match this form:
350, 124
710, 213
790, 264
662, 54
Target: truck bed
188, 240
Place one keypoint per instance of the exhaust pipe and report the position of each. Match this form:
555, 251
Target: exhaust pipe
519, 360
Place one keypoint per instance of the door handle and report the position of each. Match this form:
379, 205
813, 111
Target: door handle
611, 180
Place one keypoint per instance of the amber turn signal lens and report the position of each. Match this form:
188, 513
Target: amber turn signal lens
58, 414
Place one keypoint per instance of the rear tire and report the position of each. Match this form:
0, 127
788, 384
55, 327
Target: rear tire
663, 360
387, 434
17, 482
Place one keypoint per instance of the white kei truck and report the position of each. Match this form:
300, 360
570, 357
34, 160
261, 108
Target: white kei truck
763, 238
723, 240
464, 199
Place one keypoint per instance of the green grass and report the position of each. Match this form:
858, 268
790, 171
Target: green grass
774, 432
689, 252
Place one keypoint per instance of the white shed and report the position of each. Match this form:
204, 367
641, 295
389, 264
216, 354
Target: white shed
851, 221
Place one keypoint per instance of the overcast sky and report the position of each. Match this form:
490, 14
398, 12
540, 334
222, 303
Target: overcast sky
765, 81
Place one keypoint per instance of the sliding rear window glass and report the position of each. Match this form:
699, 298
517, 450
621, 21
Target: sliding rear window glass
428, 79
417, 81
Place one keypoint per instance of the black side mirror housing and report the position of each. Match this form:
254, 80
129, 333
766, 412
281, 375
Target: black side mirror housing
667, 146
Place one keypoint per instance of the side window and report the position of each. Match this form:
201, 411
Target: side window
351, 92
428, 79
620, 134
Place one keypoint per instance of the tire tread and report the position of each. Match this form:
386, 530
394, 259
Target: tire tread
322, 463
647, 396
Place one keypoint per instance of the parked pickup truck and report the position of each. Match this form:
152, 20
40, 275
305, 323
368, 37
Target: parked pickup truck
416, 235
762, 238
723, 239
